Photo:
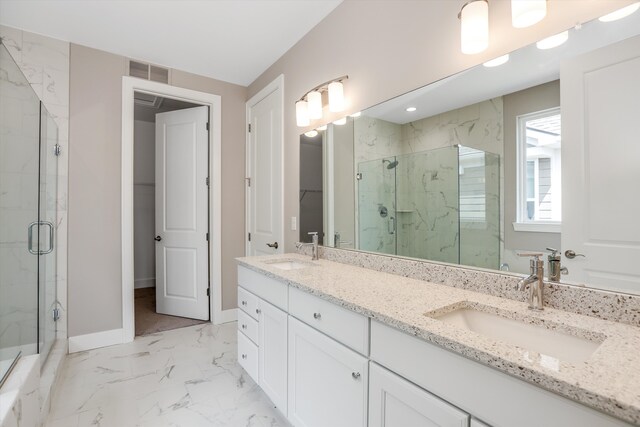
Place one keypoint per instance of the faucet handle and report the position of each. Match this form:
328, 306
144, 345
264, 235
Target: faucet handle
536, 255
311, 233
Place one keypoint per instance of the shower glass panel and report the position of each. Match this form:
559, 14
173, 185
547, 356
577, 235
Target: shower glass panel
377, 219
19, 181
28, 187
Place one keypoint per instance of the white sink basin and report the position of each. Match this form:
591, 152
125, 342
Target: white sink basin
548, 342
290, 264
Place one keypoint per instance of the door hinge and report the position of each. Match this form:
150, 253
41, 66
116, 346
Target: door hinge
249, 126
248, 179
208, 291
57, 149
207, 237
249, 236
207, 181
207, 125
359, 176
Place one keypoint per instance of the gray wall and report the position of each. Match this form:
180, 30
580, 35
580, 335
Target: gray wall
391, 47
526, 101
95, 282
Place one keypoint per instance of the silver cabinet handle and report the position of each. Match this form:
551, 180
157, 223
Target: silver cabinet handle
244, 326
30, 238
392, 225
571, 254
317, 315
258, 311
355, 375
244, 303
244, 356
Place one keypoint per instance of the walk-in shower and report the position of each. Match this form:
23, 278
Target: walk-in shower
441, 205
28, 194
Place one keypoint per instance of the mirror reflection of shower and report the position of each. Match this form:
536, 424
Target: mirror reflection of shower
391, 165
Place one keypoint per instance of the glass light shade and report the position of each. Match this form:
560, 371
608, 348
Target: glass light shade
553, 41
341, 121
620, 13
474, 27
498, 61
336, 97
311, 134
314, 101
302, 114
525, 13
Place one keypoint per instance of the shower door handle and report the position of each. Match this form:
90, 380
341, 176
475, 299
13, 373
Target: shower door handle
30, 238
50, 225
392, 225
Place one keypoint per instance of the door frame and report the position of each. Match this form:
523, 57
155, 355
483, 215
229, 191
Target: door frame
277, 85
129, 86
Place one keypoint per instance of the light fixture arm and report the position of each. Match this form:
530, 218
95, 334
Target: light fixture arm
323, 87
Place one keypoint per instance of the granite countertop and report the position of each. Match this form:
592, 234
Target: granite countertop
608, 381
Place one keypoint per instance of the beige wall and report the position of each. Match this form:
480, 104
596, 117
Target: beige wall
391, 47
95, 284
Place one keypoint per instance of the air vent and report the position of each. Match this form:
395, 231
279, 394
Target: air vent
146, 71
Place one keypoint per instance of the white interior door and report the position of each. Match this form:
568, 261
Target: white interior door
601, 166
181, 213
265, 176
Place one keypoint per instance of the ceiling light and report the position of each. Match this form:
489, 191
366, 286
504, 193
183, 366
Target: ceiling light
620, 13
323, 127
474, 26
553, 41
498, 61
311, 134
525, 13
302, 114
341, 121
411, 109
354, 115
336, 97
314, 99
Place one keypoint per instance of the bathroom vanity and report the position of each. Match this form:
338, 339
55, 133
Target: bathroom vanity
341, 345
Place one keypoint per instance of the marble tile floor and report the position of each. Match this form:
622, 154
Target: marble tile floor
184, 377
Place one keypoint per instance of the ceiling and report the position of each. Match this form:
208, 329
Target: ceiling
229, 40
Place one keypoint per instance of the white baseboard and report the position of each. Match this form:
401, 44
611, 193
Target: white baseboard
96, 340
144, 283
227, 316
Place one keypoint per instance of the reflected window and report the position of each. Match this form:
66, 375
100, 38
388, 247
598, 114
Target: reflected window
539, 167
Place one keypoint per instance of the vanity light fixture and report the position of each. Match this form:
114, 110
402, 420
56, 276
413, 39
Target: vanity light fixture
474, 26
553, 41
302, 113
314, 99
309, 107
498, 61
620, 13
311, 134
411, 109
525, 13
341, 121
356, 115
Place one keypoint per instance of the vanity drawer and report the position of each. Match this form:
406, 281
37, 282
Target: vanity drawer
345, 326
248, 326
248, 303
268, 289
248, 356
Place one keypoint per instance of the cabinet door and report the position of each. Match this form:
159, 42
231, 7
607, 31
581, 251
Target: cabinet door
327, 381
395, 402
272, 351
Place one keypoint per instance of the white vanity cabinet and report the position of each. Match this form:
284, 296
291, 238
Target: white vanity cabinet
395, 402
327, 381
272, 353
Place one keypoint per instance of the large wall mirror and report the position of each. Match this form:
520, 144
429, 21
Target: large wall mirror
532, 151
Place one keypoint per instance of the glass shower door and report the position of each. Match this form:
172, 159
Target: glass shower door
47, 262
19, 180
377, 220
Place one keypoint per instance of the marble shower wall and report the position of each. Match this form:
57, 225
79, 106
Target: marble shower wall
428, 225
45, 63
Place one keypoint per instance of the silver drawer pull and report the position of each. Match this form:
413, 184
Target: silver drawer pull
244, 303
355, 375
317, 315
258, 311
244, 356
244, 326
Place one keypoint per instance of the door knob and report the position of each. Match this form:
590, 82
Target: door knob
571, 254
273, 245
157, 238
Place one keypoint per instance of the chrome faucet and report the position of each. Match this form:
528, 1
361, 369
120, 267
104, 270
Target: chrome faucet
313, 244
535, 280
